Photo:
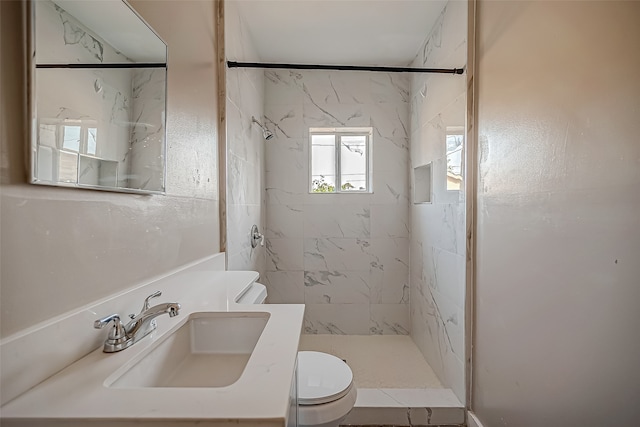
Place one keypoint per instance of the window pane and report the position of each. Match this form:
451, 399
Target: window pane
47, 135
92, 141
454, 142
353, 163
454, 161
323, 167
67, 167
71, 138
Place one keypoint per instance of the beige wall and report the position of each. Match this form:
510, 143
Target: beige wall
558, 273
61, 248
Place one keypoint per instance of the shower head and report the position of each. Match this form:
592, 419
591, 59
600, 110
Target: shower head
266, 133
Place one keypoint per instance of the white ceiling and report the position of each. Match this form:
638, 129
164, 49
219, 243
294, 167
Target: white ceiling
344, 32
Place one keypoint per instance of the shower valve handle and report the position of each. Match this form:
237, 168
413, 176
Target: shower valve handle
256, 237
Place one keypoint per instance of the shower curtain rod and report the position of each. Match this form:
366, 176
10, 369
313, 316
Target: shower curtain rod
235, 64
105, 65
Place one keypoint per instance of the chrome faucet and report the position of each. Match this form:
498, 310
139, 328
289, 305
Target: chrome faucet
123, 336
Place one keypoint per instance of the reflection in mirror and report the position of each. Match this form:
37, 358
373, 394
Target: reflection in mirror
455, 142
99, 102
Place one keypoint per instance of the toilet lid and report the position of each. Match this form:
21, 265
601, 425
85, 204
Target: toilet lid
322, 378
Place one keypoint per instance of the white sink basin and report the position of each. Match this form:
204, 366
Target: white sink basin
209, 350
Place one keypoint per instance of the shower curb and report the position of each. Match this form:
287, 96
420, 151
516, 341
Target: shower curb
406, 407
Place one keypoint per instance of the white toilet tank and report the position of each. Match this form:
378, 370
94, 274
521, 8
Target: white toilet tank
255, 294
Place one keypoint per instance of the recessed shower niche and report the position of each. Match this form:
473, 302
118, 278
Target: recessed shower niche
422, 188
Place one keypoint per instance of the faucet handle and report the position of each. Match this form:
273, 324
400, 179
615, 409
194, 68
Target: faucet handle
117, 332
256, 236
117, 339
147, 299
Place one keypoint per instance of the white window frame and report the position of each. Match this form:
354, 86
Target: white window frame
339, 133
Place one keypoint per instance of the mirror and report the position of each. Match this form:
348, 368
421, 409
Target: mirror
99, 80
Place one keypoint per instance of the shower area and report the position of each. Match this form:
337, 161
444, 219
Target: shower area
382, 274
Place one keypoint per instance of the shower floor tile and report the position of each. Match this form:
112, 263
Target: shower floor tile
377, 361
396, 386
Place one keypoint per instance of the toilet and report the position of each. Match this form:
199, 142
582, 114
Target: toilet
326, 393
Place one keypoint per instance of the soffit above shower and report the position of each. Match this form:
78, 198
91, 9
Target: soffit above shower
340, 32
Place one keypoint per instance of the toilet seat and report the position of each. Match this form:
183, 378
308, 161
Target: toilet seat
322, 378
326, 393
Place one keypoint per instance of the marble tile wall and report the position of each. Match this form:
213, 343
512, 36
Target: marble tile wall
245, 148
346, 256
147, 132
61, 38
438, 104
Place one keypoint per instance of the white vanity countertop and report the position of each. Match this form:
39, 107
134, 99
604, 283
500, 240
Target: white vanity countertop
77, 396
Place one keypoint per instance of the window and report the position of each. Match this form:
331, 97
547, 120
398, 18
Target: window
455, 142
71, 138
340, 160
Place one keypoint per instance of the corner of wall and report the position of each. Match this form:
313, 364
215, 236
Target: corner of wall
472, 420
244, 149
438, 240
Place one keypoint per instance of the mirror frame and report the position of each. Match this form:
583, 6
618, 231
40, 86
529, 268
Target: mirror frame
31, 131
